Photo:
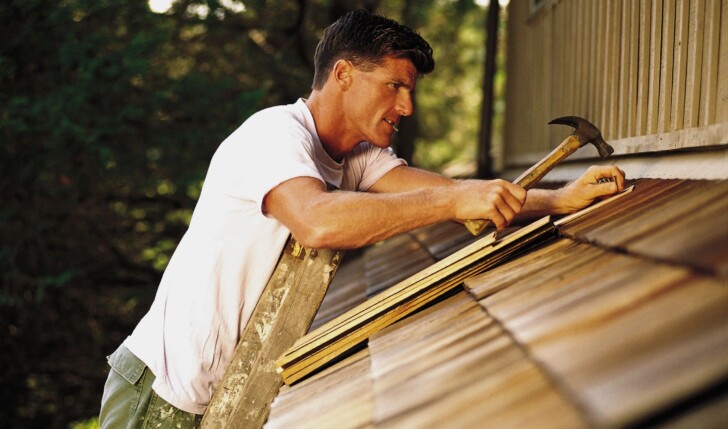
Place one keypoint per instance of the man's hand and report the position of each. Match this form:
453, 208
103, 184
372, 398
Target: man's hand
496, 200
597, 182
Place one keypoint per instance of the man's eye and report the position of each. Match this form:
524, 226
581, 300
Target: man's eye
395, 85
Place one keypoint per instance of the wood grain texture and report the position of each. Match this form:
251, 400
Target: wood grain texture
711, 53
346, 331
653, 103
648, 222
339, 397
483, 378
695, 63
624, 337
643, 73
283, 314
721, 114
347, 289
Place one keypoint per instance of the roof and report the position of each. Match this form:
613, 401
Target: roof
619, 321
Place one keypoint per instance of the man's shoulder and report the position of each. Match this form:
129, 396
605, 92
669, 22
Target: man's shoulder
281, 114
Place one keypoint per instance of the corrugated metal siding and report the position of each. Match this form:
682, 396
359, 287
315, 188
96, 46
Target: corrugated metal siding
632, 67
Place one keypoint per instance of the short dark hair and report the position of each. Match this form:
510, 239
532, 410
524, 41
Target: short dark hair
366, 39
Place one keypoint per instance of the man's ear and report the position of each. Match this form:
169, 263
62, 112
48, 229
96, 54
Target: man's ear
343, 73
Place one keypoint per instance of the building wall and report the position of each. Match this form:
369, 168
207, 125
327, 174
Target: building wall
651, 74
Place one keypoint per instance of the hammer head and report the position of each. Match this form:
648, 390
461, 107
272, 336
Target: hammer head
586, 132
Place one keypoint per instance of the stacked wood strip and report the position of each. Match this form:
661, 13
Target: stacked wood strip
364, 274
453, 366
337, 337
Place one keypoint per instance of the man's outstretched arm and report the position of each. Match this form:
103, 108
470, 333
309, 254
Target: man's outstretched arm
407, 198
574, 196
342, 219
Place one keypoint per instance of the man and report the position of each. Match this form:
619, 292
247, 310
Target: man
275, 176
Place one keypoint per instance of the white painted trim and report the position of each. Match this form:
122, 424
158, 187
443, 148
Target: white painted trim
691, 138
697, 165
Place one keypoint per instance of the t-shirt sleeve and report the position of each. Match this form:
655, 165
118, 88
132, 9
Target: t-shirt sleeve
367, 164
262, 154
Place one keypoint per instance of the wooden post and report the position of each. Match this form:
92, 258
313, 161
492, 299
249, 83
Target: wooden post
284, 313
485, 158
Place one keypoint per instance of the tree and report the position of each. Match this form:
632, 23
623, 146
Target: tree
109, 115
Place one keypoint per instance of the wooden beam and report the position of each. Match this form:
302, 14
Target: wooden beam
284, 313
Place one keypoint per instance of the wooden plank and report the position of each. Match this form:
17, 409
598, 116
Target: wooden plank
338, 336
645, 191
666, 66
653, 101
570, 49
340, 397
694, 237
394, 260
445, 238
592, 208
682, 21
588, 67
319, 352
601, 61
537, 295
709, 81
594, 55
657, 215
721, 113
347, 289
624, 336
643, 77
610, 129
695, 63
625, 65
283, 314
636, 347
633, 67
547, 94
455, 346
518, 271
519, 82
558, 78
579, 26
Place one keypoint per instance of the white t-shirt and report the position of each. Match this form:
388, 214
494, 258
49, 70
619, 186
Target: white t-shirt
223, 262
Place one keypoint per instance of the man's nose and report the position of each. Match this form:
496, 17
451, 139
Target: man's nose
405, 105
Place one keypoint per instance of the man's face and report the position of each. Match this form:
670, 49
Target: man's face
378, 98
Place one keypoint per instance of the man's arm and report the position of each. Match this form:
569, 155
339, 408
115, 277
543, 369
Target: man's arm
539, 202
341, 219
407, 198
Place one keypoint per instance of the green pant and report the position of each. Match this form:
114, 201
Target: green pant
129, 401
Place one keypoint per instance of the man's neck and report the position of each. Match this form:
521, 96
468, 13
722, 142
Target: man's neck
326, 112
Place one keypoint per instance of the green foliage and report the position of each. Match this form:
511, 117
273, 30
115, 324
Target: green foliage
109, 115
449, 99
92, 423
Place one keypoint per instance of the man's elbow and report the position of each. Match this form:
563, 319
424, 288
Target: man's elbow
313, 236
323, 236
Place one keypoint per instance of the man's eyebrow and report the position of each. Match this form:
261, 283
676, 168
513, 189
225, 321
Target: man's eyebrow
403, 83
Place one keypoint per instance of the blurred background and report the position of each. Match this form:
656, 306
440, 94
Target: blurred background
110, 111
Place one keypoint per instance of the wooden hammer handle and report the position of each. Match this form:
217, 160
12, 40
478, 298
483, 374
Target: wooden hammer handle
531, 176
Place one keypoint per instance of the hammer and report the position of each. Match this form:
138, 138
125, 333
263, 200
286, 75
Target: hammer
584, 132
